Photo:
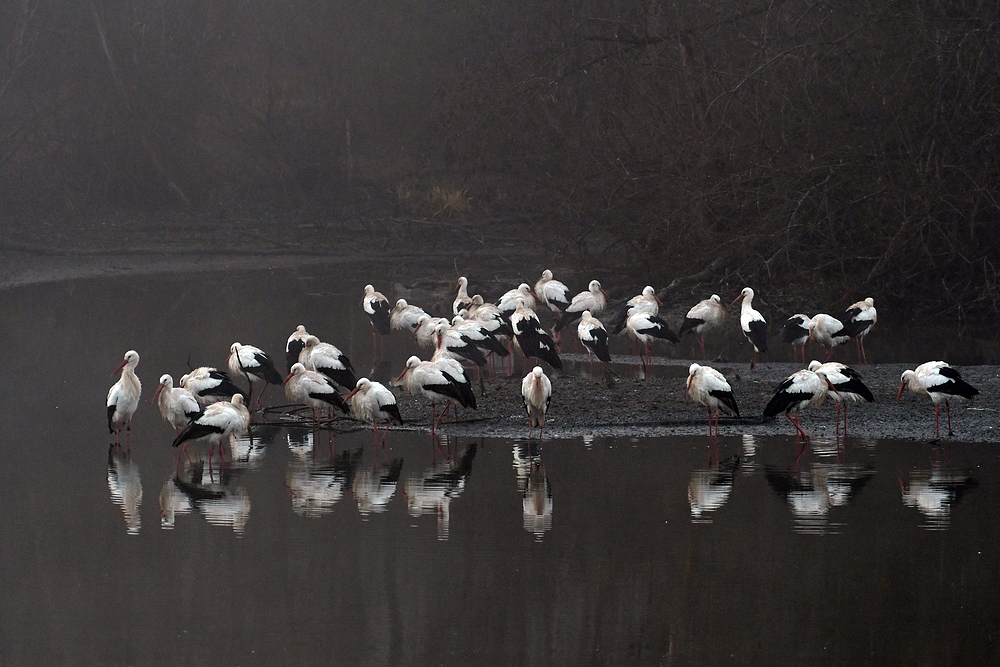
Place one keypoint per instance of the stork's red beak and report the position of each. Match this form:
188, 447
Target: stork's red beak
120, 366
285, 381
348, 397
736, 300
157, 393
902, 386
405, 370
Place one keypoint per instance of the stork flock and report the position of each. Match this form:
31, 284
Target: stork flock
209, 405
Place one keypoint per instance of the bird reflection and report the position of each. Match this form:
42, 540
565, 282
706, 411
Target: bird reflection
933, 492
247, 451
317, 485
125, 486
432, 492
374, 487
709, 489
534, 487
812, 492
198, 485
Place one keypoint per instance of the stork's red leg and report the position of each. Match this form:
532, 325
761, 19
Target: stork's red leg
948, 409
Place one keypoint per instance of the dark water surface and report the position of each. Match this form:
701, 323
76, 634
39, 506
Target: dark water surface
486, 551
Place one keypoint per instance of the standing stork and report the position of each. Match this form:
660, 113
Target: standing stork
828, 331
644, 302
373, 402
253, 364
846, 385
312, 389
531, 338
209, 385
646, 328
220, 421
703, 317
536, 390
295, 343
594, 337
178, 405
796, 332
405, 316
709, 387
508, 302
939, 382
428, 380
860, 319
594, 300
802, 389
377, 307
123, 397
462, 300
753, 324
327, 359
552, 293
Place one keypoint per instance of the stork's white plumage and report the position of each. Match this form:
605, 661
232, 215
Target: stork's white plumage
753, 324
220, 421
828, 331
123, 397
327, 359
452, 342
312, 389
594, 336
845, 384
704, 316
405, 316
426, 331
801, 389
490, 317
594, 300
478, 333
536, 390
647, 328
427, 379
462, 299
552, 293
209, 385
645, 302
253, 364
709, 387
860, 319
294, 345
178, 405
377, 307
508, 302
374, 402
796, 332
939, 382
531, 338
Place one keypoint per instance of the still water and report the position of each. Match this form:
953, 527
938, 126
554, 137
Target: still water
307, 549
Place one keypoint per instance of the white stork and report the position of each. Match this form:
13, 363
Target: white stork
531, 338
295, 343
594, 336
594, 300
178, 405
828, 331
860, 319
427, 379
796, 332
373, 402
218, 422
646, 328
753, 324
508, 302
377, 308
462, 299
312, 389
802, 389
209, 385
123, 397
452, 342
709, 387
644, 302
490, 316
426, 331
939, 382
327, 359
253, 364
536, 390
478, 333
405, 316
703, 317
552, 293
846, 384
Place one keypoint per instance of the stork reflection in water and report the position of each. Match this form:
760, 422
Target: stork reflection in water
434, 490
125, 486
533, 483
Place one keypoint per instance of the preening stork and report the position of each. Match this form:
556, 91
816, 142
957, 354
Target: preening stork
427, 379
220, 421
828, 331
490, 317
802, 389
860, 319
295, 343
846, 386
796, 332
405, 316
531, 338
647, 328
426, 331
552, 293
123, 397
478, 333
462, 299
210, 385
594, 300
753, 324
644, 302
452, 342
508, 302
939, 382
312, 389
327, 359
703, 317
594, 336
536, 390
253, 364
709, 387
178, 405
373, 402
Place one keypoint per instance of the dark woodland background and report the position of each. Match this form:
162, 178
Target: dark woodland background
849, 146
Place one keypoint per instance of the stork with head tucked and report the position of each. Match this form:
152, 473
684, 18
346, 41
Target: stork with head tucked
709, 387
796, 332
828, 331
646, 328
536, 390
312, 389
846, 384
210, 385
123, 397
178, 405
939, 382
552, 293
508, 302
802, 389
294, 345
405, 316
753, 324
253, 364
703, 317
860, 319
594, 300
373, 402
377, 308
327, 359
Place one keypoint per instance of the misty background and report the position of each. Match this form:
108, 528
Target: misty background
833, 149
